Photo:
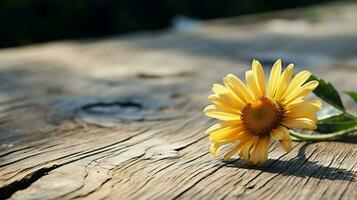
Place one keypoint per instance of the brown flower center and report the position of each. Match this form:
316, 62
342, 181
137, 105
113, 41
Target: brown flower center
262, 116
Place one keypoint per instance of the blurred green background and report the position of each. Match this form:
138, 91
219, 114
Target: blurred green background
30, 21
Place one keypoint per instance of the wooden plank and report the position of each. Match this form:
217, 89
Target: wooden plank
121, 118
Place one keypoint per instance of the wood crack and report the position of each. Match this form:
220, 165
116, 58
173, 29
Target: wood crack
8, 190
198, 181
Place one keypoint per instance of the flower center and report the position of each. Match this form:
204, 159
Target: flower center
262, 116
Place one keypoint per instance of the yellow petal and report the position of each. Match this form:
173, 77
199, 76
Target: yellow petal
216, 147
316, 103
238, 147
224, 115
256, 152
259, 76
244, 151
261, 150
274, 78
213, 128
286, 144
313, 105
265, 149
223, 124
303, 108
299, 79
219, 89
301, 114
280, 133
252, 84
302, 91
300, 123
230, 153
231, 123
284, 81
239, 88
222, 130
226, 95
227, 134
225, 102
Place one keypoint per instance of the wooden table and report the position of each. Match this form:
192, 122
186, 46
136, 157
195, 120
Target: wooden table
121, 117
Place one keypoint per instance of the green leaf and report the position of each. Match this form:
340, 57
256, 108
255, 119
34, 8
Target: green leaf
328, 93
336, 123
353, 95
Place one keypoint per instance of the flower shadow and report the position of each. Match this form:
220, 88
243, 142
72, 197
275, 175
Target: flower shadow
351, 139
299, 167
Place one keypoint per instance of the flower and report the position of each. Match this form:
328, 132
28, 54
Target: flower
250, 116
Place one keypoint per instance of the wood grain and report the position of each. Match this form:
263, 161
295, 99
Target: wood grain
121, 118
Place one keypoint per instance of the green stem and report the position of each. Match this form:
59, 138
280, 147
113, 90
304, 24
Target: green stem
295, 139
321, 137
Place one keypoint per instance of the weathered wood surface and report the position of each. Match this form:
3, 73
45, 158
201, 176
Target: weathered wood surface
121, 118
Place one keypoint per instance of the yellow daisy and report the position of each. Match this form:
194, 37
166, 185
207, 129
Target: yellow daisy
250, 116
